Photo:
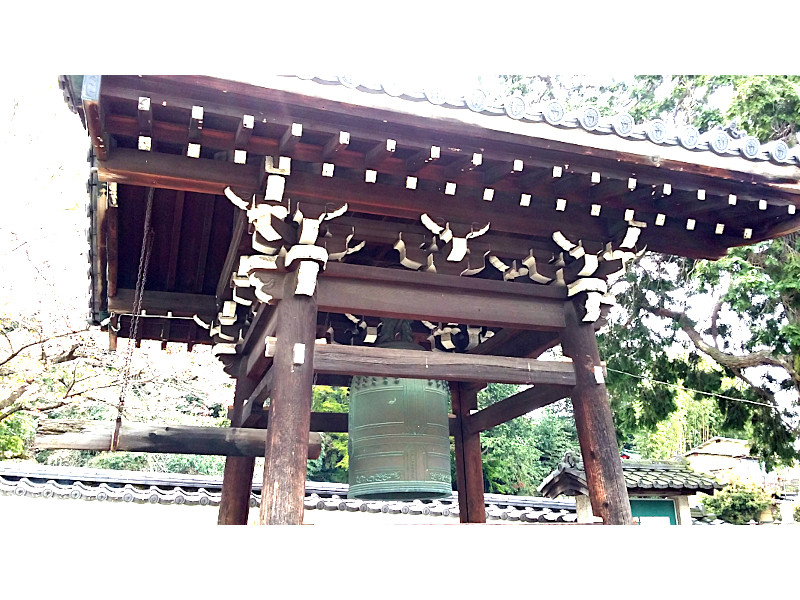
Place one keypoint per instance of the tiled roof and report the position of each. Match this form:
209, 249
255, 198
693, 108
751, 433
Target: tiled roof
25, 479
719, 141
105, 485
670, 478
721, 446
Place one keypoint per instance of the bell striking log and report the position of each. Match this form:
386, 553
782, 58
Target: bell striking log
398, 437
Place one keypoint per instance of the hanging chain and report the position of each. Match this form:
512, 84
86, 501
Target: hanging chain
141, 277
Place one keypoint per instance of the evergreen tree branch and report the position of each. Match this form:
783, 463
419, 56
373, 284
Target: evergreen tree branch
760, 358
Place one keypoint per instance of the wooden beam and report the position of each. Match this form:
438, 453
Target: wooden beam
469, 466
90, 96
231, 98
327, 422
510, 342
257, 361
175, 240
493, 174
515, 406
176, 172
112, 333
237, 480
180, 304
290, 139
393, 293
174, 133
243, 132
323, 422
253, 405
428, 296
335, 145
203, 242
422, 158
373, 231
168, 439
112, 249
263, 324
232, 257
373, 158
166, 329
463, 165
145, 116
393, 201
595, 424
290, 409
196, 124
388, 362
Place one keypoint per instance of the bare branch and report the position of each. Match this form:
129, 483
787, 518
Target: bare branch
15, 395
71, 394
4, 414
66, 356
16, 353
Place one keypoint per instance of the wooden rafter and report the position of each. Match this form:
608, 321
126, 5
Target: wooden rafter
203, 243
175, 240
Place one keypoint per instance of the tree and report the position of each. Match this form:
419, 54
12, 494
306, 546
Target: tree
333, 460
748, 337
751, 321
519, 454
738, 503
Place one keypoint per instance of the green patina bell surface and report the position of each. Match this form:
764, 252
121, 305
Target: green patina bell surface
398, 437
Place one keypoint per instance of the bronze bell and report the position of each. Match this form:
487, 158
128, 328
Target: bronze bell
399, 444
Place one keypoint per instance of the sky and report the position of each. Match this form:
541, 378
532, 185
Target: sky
41, 234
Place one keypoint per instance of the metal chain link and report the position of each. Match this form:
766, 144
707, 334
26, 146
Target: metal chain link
141, 277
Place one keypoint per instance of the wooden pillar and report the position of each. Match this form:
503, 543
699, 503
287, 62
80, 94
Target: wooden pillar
595, 425
290, 409
237, 480
469, 468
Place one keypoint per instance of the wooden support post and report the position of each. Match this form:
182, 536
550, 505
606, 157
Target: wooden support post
290, 408
237, 480
469, 468
595, 425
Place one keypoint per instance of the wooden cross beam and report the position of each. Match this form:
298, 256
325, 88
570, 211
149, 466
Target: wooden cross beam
344, 288
515, 406
168, 439
180, 304
389, 362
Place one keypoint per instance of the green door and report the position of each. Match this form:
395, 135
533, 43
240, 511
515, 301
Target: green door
653, 512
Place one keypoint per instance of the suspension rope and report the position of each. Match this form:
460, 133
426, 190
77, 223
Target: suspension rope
141, 277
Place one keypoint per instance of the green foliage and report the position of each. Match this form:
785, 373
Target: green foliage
189, 464
124, 461
519, 454
333, 460
16, 435
554, 433
738, 503
796, 513
767, 105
